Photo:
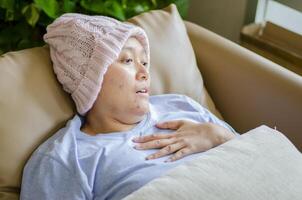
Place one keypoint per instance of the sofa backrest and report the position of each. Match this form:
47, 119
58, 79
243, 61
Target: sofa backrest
32, 106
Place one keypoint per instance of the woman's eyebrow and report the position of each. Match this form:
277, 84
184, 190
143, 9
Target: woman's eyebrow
132, 49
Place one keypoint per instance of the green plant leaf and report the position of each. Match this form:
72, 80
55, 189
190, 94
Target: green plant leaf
124, 4
7, 4
134, 7
154, 2
9, 15
138, 8
69, 6
50, 7
115, 9
96, 6
23, 22
31, 13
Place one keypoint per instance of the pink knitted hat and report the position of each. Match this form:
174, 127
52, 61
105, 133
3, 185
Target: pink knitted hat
82, 47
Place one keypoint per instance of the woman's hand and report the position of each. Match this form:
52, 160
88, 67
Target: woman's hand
189, 137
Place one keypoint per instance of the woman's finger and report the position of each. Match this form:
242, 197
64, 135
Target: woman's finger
148, 138
154, 144
180, 154
166, 150
174, 125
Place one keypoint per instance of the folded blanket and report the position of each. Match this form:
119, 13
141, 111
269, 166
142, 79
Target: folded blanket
260, 164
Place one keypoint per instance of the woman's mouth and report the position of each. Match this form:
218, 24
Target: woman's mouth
143, 92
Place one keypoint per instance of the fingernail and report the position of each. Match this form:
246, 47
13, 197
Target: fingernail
149, 157
169, 160
137, 146
135, 139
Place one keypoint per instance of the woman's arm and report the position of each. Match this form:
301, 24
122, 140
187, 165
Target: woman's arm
46, 178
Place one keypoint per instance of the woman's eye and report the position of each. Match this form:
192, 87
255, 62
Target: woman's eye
145, 64
128, 60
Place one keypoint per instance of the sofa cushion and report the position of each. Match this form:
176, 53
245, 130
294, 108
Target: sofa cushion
173, 64
32, 106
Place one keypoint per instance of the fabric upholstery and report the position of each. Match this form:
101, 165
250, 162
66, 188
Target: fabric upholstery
260, 164
32, 105
248, 89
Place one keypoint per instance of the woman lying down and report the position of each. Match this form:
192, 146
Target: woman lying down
121, 138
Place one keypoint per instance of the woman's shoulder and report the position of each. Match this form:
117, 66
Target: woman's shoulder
61, 141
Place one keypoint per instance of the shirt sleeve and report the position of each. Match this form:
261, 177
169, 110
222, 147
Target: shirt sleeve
46, 178
207, 116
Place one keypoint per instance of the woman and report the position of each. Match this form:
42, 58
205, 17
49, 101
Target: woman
110, 148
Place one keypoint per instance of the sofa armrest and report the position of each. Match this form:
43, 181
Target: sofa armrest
248, 89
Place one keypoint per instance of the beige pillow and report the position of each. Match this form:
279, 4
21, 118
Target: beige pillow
260, 164
173, 64
32, 106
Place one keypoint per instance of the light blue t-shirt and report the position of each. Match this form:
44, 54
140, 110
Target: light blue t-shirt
74, 165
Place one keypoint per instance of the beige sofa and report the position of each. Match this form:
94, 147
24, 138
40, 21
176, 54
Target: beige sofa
248, 89
245, 89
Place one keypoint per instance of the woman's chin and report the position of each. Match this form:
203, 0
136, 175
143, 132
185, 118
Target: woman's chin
142, 109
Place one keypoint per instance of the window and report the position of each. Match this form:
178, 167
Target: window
285, 13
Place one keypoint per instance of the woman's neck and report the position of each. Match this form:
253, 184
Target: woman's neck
95, 124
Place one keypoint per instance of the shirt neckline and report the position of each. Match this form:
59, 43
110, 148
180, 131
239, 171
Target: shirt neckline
113, 135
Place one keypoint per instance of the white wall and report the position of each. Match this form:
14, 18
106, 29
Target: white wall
295, 4
224, 17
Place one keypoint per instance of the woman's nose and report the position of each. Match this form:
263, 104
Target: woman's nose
142, 73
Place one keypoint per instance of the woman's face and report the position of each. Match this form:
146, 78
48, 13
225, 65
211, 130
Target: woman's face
125, 88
